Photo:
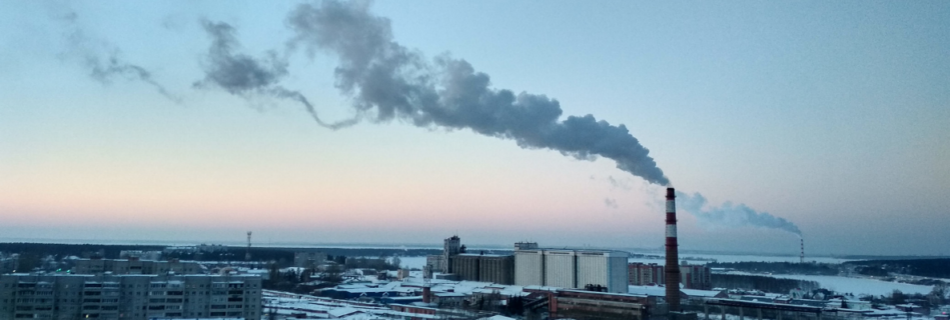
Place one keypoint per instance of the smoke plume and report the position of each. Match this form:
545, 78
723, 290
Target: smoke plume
729, 214
104, 67
386, 81
243, 75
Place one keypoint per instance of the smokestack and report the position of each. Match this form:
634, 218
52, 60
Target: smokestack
672, 256
426, 293
803, 250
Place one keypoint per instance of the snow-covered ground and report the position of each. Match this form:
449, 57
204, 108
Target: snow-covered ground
852, 285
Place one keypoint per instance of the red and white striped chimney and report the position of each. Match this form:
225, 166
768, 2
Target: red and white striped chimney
672, 255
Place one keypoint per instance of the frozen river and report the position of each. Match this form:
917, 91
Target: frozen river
703, 258
852, 285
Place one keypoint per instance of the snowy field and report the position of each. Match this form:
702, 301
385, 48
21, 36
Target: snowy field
852, 285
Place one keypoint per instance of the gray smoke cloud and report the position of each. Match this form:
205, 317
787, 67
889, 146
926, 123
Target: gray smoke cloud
729, 214
104, 67
622, 184
386, 81
243, 75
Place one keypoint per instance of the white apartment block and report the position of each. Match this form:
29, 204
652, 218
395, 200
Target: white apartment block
134, 297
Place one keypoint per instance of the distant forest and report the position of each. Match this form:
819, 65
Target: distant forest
936, 268
282, 256
109, 251
779, 267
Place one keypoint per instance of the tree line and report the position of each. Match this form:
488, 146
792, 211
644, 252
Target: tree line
935, 268
761, 283
779, 267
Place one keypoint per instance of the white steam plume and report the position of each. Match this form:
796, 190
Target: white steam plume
729, 214
103, 67
387, 81
243, 75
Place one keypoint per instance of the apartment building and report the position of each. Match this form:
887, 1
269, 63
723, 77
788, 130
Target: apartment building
693, 276
134, 297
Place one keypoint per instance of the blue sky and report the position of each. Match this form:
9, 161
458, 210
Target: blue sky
831, 115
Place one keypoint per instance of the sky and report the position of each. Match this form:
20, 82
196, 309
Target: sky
831, 117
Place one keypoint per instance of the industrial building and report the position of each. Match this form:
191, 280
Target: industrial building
440, 263
65, 296
572, 268
598, 305
454, 263
133, 265
484, 267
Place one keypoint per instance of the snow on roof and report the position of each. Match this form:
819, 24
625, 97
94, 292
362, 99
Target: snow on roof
339, 312
541, 288
700, 293
405, 298
350, 286
506, 290
647, 290
609, 293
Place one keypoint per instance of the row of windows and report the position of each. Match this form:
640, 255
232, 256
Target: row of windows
34, 293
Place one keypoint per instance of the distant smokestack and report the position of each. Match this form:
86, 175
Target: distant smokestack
672, 256
803, 250
426, 293
247, 255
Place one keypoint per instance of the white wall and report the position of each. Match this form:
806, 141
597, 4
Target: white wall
529, 268
560, 269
